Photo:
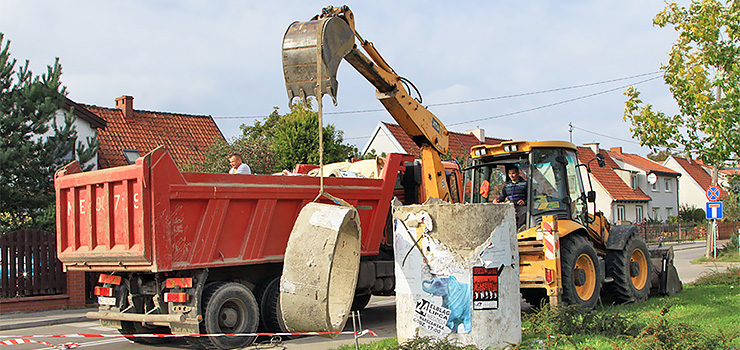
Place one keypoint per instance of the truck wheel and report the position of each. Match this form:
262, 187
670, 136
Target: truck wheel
360, 302
579, 271
133, 328
270, 313
630, 270
228, 307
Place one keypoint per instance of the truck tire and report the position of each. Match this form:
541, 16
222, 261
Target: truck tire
579, 271
630, 269
228, 307
360, 302
133, 328
270, 314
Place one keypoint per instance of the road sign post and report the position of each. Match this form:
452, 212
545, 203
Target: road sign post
714, 212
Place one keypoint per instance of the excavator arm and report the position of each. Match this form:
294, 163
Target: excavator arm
312, 52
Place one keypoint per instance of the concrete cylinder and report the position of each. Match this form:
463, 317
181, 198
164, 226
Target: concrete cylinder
457, 273
320, 268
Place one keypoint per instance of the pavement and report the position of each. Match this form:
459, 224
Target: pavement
11, 321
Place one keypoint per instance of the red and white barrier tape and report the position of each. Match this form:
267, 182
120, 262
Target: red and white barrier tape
29, 341
84, 335
22, 339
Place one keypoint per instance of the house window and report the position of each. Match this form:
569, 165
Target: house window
131, 155
639, 214
654, 186
620, 213
668, 212
668, 185
634, 181
656, 213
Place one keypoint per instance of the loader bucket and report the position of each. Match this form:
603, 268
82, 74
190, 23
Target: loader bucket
307, 45
665, 280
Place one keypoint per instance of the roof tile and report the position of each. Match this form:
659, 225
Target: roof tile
459, 145
186, 136
606, 176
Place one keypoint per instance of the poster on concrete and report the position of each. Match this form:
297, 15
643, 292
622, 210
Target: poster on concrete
485, 288
433, 277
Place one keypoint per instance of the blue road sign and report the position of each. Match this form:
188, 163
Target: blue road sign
714, 210
713, 193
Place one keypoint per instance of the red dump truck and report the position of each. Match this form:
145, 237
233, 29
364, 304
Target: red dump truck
202, 253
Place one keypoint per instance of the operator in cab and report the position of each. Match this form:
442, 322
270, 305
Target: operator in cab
515, 191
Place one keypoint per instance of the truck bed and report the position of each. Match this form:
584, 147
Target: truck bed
149, 216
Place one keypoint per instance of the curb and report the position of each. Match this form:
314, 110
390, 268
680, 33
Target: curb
43, 323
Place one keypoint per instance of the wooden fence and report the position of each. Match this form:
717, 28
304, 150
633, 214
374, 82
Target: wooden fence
678, 232
29, 264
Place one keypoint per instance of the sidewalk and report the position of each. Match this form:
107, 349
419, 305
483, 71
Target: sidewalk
42, 318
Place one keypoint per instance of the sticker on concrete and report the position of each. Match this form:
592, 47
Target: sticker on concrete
485, 288
430, 316
498, 250
455, 297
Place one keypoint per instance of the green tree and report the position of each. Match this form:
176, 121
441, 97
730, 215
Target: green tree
279, 142
34, 144
731, 209
296, 140
704, 78
661, 155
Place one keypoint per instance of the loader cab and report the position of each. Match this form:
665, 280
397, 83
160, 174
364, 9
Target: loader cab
554, 185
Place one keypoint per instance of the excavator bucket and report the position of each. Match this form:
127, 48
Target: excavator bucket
665, 280
311, 46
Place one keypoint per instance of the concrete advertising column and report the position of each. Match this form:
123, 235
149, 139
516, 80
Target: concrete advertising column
457, 273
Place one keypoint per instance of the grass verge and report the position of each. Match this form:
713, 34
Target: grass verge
703, 316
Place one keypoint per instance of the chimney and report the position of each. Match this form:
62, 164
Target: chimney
126, 104
479, 133
617, 150
594, 146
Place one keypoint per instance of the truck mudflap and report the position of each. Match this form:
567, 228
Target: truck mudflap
665, 280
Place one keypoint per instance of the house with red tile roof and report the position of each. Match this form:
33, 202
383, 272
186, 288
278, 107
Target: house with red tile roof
694, 182
390, 138
131, 133
86, 124
655, 180
615, 195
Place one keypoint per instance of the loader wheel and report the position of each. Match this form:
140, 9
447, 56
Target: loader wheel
228, 307
631, 272
580, 272
270, 315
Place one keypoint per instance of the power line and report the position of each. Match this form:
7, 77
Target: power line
539, 92
602, 135
555, 103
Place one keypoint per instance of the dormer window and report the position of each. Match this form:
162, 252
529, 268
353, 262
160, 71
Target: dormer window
131, 155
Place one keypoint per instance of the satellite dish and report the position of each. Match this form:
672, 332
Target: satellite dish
652, 178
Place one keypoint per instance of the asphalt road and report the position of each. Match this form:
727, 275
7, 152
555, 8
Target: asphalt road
379, 316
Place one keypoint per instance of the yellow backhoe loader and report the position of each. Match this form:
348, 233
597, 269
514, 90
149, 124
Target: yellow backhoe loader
584, 251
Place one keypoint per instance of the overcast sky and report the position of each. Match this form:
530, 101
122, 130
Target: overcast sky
223, 58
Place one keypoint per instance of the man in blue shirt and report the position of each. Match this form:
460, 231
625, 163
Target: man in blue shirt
515, 191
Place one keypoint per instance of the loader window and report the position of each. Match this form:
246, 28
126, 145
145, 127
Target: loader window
549, 190
489, 180
575, 189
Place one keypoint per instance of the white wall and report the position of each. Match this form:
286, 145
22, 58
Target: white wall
691, 193
84, 130
382, 141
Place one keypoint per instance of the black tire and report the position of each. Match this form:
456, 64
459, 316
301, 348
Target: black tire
259, 293
580, 271
228, 307
133, 328
631, 271
536, 297
270, 314
360, 302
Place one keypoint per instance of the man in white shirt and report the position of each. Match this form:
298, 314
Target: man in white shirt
237, 167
